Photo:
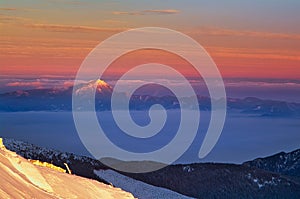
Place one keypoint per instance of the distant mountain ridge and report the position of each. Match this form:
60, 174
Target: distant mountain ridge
198, 180
61, 100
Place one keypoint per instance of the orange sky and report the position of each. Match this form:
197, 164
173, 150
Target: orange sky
53, 37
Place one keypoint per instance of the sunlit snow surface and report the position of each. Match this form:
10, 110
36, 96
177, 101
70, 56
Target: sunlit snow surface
21, 179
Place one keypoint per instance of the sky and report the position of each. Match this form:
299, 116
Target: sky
255, 44
246, 39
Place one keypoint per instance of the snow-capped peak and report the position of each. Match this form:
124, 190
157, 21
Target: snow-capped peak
99, 85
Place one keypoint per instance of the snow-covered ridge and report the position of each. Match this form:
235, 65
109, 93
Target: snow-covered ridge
79, 165
22, 179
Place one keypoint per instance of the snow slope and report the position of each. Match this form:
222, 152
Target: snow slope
22, 179
139, 189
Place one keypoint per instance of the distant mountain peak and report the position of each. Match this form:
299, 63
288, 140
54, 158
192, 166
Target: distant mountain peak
101, 85
98, 84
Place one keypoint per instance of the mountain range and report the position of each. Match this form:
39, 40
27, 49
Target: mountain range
275, 176
53, 99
